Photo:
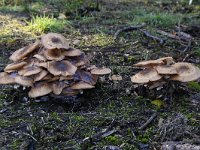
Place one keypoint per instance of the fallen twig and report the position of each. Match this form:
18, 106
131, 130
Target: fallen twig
147, 34
148, 121
126, 29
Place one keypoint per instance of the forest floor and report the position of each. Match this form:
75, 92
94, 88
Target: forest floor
112, 115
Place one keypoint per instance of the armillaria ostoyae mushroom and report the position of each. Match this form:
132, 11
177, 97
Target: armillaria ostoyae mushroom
51, 65
164, 69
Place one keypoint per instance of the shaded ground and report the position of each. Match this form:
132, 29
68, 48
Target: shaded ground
113, 112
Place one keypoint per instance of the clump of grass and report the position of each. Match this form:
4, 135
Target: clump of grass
39, 25
194, 85
197, 52
159, 19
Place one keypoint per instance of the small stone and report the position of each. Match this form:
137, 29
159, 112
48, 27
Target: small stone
116, 77
76, 42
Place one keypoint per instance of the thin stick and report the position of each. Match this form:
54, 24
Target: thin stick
148, 121
126, 29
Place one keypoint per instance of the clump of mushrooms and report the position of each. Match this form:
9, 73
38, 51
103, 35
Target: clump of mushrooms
51, 65
156, 73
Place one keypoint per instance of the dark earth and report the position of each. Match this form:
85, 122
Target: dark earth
115, 114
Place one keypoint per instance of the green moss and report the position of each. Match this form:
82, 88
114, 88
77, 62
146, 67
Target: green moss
194, 85
114, 140
99, 39
197, 52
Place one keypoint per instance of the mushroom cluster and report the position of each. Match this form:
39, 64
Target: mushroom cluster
157, 72
51, 65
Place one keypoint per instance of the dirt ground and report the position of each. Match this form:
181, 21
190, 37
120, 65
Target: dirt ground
111, 116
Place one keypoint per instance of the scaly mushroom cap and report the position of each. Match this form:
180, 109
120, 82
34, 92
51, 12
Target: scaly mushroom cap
6, 78
25, 81
64, 68
14, 66
71, 52
40, 89
54, 54
54, 41
40, 75
100, 71
166, 70
25, 51
149, 63
28, 71
58, 86
81, 85
145, 76
186, 72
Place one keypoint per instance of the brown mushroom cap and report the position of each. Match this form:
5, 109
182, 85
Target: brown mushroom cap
42, 64
14, 66
81, 85
166, 70
28, 71
64, 68
69, 92
145, 76
54, 54
23, 52
85, 76
71, 52
58, 86
6, 78
79, 61
186, 72
40, 89
40, 75
100, 71
167, 60
149, 63
25, 81
54, 41
40, 57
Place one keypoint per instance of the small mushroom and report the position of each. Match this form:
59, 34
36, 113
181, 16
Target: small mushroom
25, 81
81, 85
186, 72
6, 78
40, 89
64, 68
40, 57
71, 52
85, 76
100, 71
14, 66
25, 51
166, 70
149, 63
167, 60
40, 75
54, 41
54, 54
28, 71
79, 61
58, 86
69, 92
146, 75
